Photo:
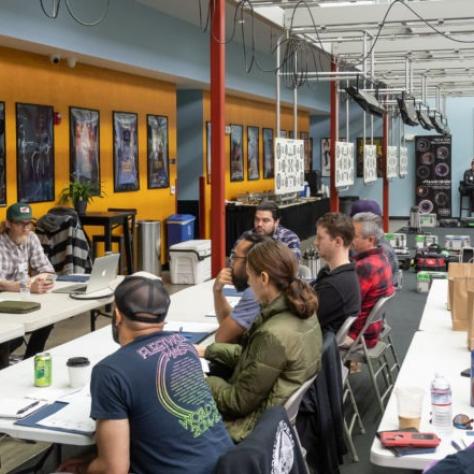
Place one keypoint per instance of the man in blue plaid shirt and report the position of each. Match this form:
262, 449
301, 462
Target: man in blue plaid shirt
267, 222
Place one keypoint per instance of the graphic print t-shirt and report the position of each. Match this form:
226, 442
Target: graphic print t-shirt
157, 383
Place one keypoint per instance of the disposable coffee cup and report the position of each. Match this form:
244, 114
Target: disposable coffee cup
79, 371
410, 405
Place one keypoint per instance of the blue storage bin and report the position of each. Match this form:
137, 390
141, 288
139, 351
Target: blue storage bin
180, 228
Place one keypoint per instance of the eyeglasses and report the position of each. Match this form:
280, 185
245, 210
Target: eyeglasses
462, 422
234, 257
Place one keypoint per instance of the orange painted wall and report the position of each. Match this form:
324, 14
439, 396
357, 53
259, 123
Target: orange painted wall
31, 78
247, 112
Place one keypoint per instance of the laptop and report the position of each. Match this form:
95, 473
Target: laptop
104, 271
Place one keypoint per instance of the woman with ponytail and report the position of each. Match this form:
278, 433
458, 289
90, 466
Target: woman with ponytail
279, 352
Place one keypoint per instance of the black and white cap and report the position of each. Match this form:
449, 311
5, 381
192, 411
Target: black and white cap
142, 297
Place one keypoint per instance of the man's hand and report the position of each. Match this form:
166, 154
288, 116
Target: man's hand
201, 350
41, 283
224, 278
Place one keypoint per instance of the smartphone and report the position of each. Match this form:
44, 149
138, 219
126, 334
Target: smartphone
466, 255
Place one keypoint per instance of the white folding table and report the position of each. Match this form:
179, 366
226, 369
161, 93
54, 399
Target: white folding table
191, 305
10, 330
436, 317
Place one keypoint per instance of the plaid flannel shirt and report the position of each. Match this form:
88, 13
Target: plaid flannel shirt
287, 237
375, 281
13, 256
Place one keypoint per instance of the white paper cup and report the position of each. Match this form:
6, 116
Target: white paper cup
79, 371
410, 404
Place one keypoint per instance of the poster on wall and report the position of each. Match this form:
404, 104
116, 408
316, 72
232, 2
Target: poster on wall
344, 166
84, 147
35, 152
289, 166
433, 174
236, 154
208, 152
157, 151
125, 151
3, 161
268, 156
325, 150
253, 153
377, 141
308, 150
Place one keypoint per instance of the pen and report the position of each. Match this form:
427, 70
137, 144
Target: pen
456, 446
28, 407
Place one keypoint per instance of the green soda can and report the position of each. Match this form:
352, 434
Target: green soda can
43, 370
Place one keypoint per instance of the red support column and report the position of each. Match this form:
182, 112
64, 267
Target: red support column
218, 134
385, 193
334, 135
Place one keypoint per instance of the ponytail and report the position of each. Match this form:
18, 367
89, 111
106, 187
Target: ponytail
301, 298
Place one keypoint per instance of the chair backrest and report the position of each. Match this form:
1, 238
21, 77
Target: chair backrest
305, 272
292, 405
344, 329
377, 314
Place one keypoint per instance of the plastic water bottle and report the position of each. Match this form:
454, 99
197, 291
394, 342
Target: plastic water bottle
441, 403
24, 286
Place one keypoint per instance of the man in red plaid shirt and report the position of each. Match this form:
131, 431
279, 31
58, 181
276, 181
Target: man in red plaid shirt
374, 272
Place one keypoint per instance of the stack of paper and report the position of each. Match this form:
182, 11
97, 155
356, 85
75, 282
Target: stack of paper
17, 408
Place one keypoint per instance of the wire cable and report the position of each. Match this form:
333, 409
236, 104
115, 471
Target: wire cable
53, 15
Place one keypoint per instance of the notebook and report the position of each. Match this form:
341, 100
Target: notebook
18, 307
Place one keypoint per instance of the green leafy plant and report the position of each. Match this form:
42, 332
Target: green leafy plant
77, 191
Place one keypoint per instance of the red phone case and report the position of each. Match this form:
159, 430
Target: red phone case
401, 439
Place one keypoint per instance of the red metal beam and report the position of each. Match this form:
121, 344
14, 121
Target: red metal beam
385, 192
218, 133
334, 132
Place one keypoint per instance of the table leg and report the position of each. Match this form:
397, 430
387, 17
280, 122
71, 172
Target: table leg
108, 237
93, 316
128, 244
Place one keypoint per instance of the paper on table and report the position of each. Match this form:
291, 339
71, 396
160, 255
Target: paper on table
74, 416
232, 300
19, 407
50, 394
205, 365
187, 326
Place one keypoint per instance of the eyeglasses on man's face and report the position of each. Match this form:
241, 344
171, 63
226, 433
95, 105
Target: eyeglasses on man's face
233, 257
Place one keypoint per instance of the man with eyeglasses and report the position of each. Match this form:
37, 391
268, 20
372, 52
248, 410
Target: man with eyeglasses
233, 322
22, 255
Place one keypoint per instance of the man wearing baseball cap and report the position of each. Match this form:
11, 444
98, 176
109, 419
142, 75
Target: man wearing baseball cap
22, 257
154, 410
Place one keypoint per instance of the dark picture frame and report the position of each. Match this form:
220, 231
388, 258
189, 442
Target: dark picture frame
208, 152
126, 170
236, 153
378, 142
35, 152
253, 153
3, 157
268, 153
308, 150
158, 163
84, 147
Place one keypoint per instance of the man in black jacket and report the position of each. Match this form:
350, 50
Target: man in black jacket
336, 285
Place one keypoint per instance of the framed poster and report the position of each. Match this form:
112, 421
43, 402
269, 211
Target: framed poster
157, 151
308, 151
236, 155
35, 152
84, 140
3, 161
125, 151
433, 174
360, 155
208, 152
268, 153
325, 157
253, 153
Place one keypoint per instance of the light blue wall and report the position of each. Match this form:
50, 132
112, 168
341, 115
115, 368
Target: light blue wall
190, 139
142, 37
402, 191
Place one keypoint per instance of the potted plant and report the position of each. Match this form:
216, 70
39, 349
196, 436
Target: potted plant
80, 194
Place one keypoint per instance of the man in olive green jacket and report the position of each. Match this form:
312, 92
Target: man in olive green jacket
278, 354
